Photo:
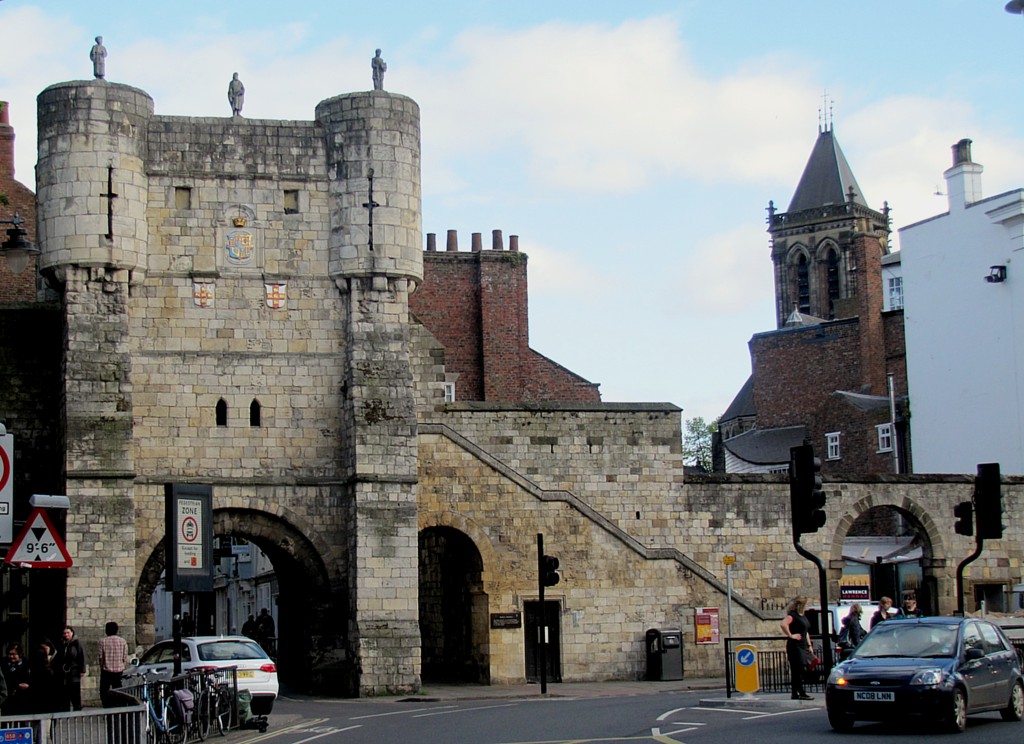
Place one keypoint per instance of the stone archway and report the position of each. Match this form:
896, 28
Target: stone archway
311, 648
892, 546
453, 613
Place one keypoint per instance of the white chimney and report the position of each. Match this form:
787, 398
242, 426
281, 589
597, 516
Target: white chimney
963, 180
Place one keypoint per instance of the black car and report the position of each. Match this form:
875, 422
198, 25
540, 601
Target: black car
938, 668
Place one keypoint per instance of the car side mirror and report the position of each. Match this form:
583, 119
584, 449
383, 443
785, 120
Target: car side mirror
973, 654
134, 662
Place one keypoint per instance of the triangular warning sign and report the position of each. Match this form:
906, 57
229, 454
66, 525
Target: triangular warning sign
38, 545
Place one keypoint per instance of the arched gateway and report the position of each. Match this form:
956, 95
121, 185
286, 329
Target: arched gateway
311, 650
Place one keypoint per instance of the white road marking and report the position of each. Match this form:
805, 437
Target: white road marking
397, 713
327, 733
465, 710
782, 713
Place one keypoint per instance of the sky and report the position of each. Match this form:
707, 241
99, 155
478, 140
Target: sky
632, 147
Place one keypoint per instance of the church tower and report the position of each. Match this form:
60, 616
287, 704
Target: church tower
822, 244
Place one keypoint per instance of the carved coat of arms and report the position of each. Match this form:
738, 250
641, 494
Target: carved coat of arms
277, 295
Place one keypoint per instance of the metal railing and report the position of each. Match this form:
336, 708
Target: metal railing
92, 726
772, 664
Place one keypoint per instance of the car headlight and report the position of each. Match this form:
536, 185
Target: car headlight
838, 676
928, 677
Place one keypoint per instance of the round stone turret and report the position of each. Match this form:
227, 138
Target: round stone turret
379, 131
91, 182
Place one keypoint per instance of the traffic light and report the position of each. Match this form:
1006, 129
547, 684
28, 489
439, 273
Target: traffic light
806, 497
549, 575
988, 500
964, 513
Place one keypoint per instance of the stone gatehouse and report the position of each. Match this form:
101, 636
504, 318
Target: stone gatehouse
223, 314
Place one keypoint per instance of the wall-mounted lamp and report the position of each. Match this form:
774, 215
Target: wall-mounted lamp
17, 248
996, 274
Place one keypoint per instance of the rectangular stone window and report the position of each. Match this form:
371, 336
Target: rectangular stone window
182, 197
291, 201
449, 392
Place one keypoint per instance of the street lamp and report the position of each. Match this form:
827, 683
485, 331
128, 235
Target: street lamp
1015, 6
17, 247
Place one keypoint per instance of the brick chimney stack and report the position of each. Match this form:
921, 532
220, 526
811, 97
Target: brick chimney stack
6, 144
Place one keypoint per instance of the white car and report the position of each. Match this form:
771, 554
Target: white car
256, 673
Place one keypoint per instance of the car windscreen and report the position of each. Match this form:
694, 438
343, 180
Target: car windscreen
229, 651
918, 640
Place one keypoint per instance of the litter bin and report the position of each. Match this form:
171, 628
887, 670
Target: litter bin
664, 654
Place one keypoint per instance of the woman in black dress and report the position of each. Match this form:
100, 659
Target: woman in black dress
797, 630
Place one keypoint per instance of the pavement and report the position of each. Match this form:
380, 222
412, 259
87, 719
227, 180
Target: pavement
712, 689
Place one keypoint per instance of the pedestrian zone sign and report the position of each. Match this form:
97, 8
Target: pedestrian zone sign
39, 545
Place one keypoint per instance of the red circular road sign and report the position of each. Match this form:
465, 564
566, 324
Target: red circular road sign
190, 529
5, 468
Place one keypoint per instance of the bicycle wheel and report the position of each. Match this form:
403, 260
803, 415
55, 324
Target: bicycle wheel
201, 716
222, 711
174, 728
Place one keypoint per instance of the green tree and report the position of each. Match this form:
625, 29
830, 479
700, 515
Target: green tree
697, 442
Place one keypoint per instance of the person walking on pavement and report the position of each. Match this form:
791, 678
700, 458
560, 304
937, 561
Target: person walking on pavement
852, 632
882, 613
265, 631
71, 665
113, 661
15, 673
797, 629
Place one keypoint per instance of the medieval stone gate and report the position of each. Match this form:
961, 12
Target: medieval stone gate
230, 318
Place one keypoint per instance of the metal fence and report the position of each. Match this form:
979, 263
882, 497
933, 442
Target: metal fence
772, 664
92, 726
122, 725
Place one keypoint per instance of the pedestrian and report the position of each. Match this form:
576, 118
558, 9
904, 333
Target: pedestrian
265, 631
72, 667
797, 629
3, 692
882, 613
113, 662
249, 627
46, 693
852, 633
909, 608
16, 675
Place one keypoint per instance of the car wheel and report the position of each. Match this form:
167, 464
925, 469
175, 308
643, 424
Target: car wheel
840, 721
1014, 711
957, 720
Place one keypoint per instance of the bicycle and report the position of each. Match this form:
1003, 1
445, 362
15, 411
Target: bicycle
213, 703
163, 722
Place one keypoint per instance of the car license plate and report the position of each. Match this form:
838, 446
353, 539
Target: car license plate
246, 674
876, 697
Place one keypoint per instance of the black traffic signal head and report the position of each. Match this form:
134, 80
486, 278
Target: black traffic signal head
806, 497
549, 570
964, 513
988, 501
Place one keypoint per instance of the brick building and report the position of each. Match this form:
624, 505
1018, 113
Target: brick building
824, 374
15, 199
476, 305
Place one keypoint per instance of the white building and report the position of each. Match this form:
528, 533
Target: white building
964, 320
